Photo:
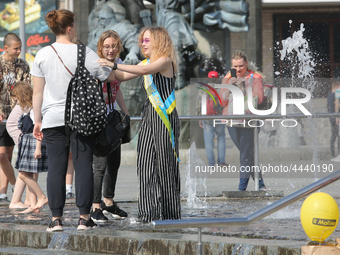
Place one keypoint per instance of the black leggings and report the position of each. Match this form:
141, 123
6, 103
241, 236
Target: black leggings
58, 153
105, 168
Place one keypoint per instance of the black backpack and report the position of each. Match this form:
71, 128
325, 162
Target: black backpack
85, 111
25, 123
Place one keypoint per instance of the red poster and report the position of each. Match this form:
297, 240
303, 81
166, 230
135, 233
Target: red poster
38, 34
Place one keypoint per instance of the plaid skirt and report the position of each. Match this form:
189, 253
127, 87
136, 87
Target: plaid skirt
25, 160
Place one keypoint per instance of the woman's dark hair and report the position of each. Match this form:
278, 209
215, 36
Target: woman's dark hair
59, 20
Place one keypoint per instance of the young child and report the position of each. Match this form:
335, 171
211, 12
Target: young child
32, 156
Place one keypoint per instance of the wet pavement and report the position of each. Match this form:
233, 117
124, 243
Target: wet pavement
281, 229
283, 225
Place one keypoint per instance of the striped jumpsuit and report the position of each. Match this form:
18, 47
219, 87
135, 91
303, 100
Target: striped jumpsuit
157, 166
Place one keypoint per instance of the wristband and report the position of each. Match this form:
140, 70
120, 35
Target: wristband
114, 66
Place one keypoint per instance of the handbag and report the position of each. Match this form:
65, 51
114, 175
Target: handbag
116, 132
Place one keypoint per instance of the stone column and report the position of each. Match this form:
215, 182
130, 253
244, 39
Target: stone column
82, 10
227, 53
251, 41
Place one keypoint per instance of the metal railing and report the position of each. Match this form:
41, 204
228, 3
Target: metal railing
271, 116
240, 221
225, 222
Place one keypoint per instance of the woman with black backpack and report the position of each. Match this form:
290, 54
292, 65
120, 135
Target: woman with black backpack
52, 72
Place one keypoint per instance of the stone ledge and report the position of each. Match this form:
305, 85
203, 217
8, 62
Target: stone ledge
252, 194
12, 241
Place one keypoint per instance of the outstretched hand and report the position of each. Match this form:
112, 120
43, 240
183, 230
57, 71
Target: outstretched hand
105, 62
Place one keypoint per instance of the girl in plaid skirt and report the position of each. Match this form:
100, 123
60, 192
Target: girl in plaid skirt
32, 156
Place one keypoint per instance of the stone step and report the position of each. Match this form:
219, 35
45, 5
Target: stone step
32, 251
253, 194
24, 240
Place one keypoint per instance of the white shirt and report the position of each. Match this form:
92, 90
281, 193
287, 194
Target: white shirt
47, 65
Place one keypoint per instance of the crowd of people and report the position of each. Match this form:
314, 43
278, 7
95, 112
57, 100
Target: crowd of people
35, 122
45, 146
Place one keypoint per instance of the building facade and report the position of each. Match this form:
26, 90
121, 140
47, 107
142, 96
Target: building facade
279, 19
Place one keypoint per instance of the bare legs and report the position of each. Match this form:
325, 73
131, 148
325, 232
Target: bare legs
17, 194
69, 174
6, 168
39, 198
108, 201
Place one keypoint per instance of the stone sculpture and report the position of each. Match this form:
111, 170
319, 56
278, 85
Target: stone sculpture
128, 33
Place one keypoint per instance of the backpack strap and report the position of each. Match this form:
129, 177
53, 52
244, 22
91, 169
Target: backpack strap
109, 95
61, 60
81, 55
68, 119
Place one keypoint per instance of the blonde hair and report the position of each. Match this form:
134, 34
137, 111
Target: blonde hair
23, 91
240, 54
161, 42
103, 37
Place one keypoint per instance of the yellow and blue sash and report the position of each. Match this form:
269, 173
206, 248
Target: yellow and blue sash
162, 109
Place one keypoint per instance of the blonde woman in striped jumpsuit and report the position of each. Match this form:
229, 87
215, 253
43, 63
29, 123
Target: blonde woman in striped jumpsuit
157, 150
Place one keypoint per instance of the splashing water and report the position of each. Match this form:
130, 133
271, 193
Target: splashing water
217, 53
298, 45
289, 212
195, 185
59, 241
296, 50
242, 249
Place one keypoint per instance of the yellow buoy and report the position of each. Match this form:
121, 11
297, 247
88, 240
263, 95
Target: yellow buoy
319, 216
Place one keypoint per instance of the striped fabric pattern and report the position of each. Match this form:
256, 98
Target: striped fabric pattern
157, 166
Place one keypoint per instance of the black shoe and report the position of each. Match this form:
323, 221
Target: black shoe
86, 224
55, 226
4, 200
97, 216
116, 212
69, 195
